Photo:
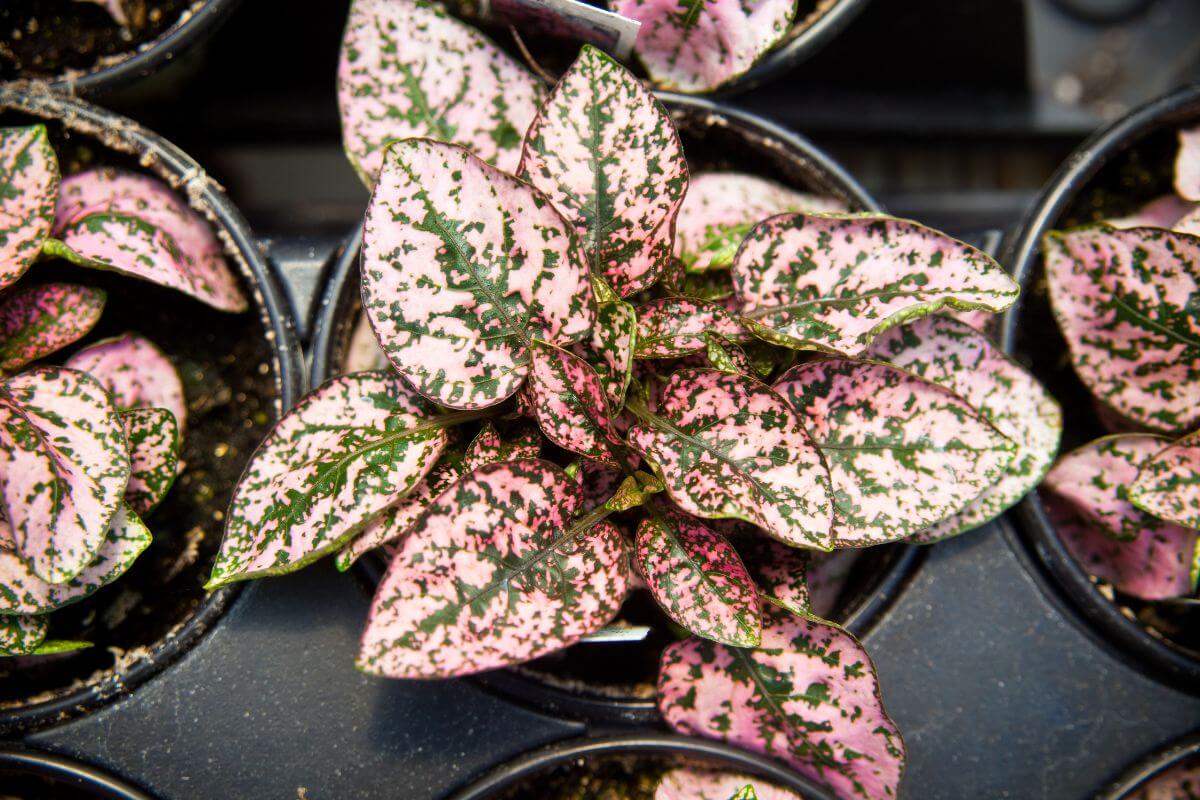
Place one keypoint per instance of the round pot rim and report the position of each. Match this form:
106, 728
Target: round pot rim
56, 766
1150, 766
1021, 252
194, 25
267, 299
529, 764
529, 690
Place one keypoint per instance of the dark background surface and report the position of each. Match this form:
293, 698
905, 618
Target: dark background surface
953, 113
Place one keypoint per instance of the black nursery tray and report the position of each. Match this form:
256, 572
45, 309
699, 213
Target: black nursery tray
1000, 687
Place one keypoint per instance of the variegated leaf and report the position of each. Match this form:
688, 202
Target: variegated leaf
701, 45
966, 362
1123, 301
698, 578
22, 592
634, 491
1156, 565
611, 348
460, 276
153, 440
1168, 483
779, 571
29, 181
136, 373
569, 403
1161, 212
726, 356
729, 447
345, 452
670, 327
495, 572
606, 153
63, 468
1187, 165
136, 225
833, 282
808, 695
408, 69
488, 447
694, 783
21, 635
721, 208
903, 453
1096, 479
36, 321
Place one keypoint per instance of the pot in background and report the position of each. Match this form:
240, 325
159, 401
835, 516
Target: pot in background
1184, 754
29, 773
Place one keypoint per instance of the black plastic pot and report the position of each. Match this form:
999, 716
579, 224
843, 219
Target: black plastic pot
279, 346
1154, 765
1021, 253
720, 136
113, 72
57, 777
670, 749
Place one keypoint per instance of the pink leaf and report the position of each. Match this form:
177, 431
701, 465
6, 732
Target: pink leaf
409, 69
1122, 299
460, 276
606, 153
1168, 483
807, 695
698, 578
345, 452
780, 571
1189, 222
21, 635
903, 453
136, 373
966, 362
721, 208
26, 593
610, 349
35, 321
488, 447
494, 573
29, 173
1187, 165
670, 327
702, 46
693, 783
835, 282
153, 440
728, 447
569, 403
1156, 565
63, 468
135, 224
1161, 212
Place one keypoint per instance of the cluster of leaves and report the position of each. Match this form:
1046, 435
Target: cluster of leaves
89, 447
710, 377
1128, 505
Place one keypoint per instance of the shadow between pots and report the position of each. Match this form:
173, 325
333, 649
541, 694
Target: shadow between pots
32, 775
1112, 173
239, 371
613, 681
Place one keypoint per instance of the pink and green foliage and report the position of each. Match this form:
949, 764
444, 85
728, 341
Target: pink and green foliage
903, 453
612, 343
697, 577
364, 441
1179, 782
1122, 299
834, 282
807, 695
23, 592
38, 320
670, 327
478, 585
21, 635
136, 373
1187, 165
409, 69
1111, 538
568, 401
29, 181
780, 572
134, 224
152, 437
460, 277
729, 447
694, 783
701, 45
963, 360
605, 152
721, 208
1168, 483
63, 468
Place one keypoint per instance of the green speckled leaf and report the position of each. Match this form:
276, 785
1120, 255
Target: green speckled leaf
568, 401
671, 327
21, 635
1168, 483
36, 321
611, 348
29, 181
153, 439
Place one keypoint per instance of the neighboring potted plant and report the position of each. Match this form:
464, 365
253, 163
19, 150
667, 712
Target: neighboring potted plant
1172, 774
503, 301
31, 774
88, 46
100, 421
1116, 237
